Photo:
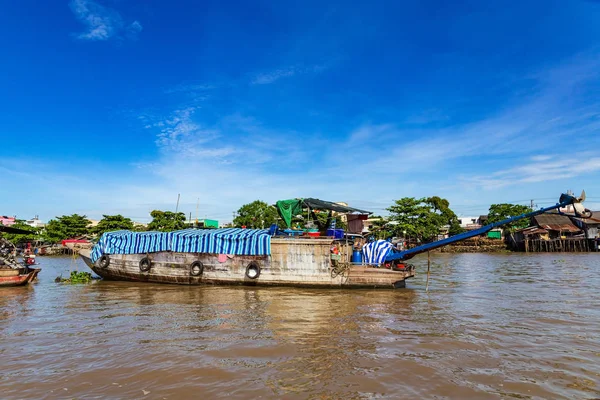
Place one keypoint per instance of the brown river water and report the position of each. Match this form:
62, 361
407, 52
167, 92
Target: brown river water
491, 326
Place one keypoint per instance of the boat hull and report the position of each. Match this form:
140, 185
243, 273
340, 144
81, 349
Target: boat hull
300, 263
17, 277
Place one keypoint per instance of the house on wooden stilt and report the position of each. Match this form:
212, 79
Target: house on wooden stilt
552, 232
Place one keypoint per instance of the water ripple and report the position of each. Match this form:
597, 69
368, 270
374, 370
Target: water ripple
491, 326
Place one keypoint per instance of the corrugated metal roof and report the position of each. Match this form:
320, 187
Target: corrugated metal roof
533, 230
555, 222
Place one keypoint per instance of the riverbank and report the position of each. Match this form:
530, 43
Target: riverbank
477, 245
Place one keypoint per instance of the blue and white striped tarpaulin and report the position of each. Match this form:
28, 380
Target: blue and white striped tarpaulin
376, 252
249, 242
232, 241
127, 242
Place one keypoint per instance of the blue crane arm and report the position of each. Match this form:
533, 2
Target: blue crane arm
408, 254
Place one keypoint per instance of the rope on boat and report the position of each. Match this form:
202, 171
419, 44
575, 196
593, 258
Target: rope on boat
339, 268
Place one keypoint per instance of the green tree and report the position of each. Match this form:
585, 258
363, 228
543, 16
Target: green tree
256, 215
442, 206
421, 218
166, 221
110, 223
21, 237
65, 227
381, 229
498, 212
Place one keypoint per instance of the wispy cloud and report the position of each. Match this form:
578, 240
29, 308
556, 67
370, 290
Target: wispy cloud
552, 168
233, 158
248, 159
272, 76
554, 113
181, 135
269, 77
102, 23
189, 87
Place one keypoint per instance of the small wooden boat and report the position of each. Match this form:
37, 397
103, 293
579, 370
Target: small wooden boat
13, 272
17, 276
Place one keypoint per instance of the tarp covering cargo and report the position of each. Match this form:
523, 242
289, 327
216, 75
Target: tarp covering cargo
376, 252
234, 241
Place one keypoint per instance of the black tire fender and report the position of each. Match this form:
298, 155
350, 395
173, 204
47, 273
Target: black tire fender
253, 270
196, 268
145, 264
104, 261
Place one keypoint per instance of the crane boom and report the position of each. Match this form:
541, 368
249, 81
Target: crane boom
565, 200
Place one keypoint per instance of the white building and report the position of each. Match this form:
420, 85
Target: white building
35, 222
469, 222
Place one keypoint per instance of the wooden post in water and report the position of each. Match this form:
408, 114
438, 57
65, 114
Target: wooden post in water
428, 268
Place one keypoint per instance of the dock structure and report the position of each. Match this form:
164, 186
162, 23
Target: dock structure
556, 233
574, 245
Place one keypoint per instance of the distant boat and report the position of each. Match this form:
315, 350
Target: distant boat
13, 272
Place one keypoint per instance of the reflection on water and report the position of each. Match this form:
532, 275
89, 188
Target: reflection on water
521, 326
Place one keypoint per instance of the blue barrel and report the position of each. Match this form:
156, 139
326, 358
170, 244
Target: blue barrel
336, 233
357, 257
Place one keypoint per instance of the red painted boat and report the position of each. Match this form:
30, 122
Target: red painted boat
17, 277
13, 272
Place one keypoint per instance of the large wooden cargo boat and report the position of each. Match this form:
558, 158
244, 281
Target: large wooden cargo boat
291, 262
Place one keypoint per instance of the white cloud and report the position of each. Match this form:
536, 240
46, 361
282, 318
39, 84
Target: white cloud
189, 87
531, 128
272, 76
551, 168
277, 74
182, 136
237, 159
102, 23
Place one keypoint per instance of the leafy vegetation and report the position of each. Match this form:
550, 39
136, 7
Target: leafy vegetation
111, 223
498, 212
421, 218
448, 216
166, 221
76, 277
381, 228
21, 237
65, 227
256, 215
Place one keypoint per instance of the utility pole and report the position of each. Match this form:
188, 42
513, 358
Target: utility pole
177, 206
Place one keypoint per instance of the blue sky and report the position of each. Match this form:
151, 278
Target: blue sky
118, 106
